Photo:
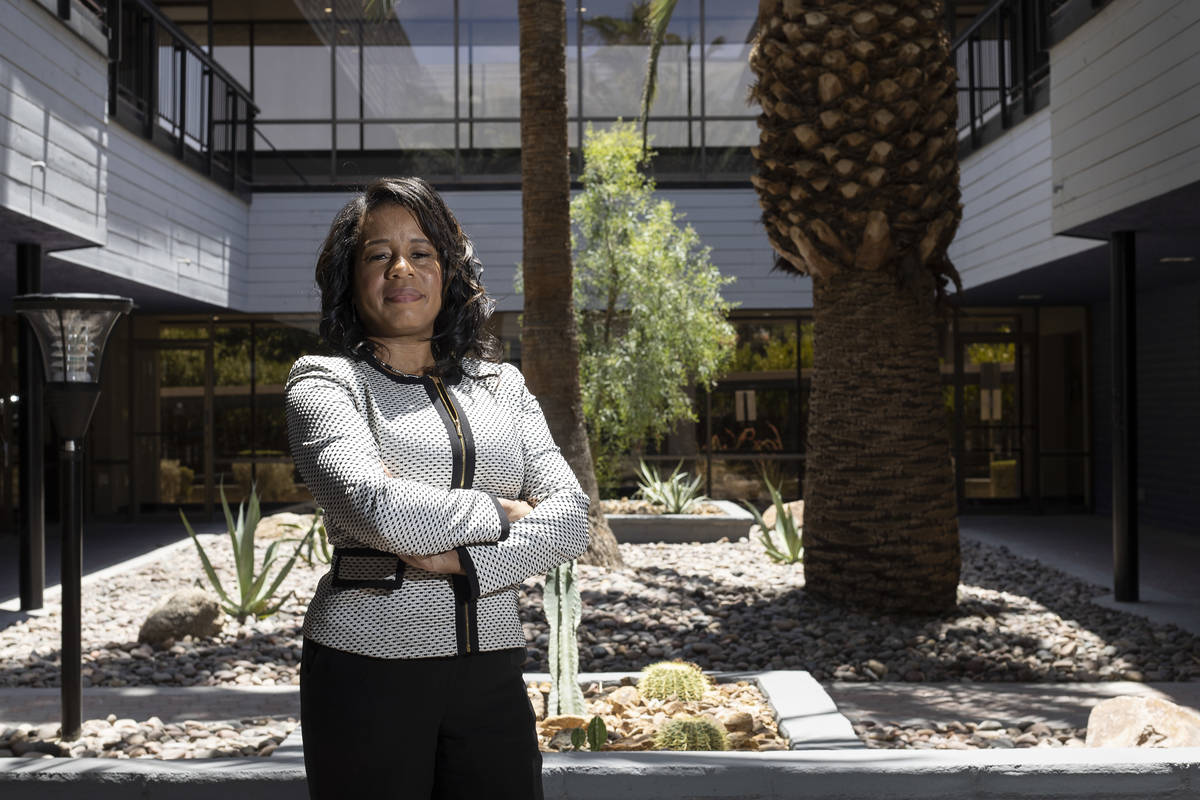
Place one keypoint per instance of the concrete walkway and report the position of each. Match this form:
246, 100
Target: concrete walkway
1011, 704
168, 703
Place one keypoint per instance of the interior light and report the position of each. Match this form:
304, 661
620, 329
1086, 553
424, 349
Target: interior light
328, 10
1176, 259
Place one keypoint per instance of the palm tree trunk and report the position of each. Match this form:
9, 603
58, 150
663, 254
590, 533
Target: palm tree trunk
549, 345
880, 525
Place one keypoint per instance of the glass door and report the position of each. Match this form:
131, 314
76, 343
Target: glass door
172, 422
990, 434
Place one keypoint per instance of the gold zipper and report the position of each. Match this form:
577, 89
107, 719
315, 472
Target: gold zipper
462, 446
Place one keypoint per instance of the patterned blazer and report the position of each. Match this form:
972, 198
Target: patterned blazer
413, 465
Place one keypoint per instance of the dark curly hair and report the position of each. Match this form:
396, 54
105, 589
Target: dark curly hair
460, 329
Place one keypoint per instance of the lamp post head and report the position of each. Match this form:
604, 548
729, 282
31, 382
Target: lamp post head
72, 330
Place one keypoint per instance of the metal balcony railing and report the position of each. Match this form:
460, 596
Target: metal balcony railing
1003, 67
170, 90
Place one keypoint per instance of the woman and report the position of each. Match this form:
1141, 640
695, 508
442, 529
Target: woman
427, 457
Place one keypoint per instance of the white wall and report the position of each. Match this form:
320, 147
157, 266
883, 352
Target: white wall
1007, 200
286, 231
168, 226
53, 94
1125, 106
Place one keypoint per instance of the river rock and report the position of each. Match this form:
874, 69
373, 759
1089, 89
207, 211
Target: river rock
562, 722
735, 720
797, 509
189, 612
284, 525
1142, 722
623, 698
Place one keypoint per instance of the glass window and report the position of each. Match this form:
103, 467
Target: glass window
276, 348
346, 71
292, 73
408, 69
727, 75
768, 348
297, 136
233, 402
489, 74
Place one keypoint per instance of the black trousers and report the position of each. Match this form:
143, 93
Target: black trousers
457, 727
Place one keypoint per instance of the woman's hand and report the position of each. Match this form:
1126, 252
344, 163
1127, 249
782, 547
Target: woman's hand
514, 508
443, 563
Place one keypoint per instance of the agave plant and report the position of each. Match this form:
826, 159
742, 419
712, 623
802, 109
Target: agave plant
314, 545
785, 526
676, 493
254, 594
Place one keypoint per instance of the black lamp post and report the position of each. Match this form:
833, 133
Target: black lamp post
72, 330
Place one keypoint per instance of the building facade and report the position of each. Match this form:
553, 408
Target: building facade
191, 156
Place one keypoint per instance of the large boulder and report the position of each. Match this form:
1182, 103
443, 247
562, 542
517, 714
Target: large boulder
284, 525
191, 611
1142, 722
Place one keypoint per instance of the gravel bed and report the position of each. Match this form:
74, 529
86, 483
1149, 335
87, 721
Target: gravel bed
723, 605
151, 738
968, 736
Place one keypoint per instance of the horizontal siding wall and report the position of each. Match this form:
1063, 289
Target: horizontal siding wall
287, 229
53, 94
1125, 106
1006, 196
169, 227
1168, 399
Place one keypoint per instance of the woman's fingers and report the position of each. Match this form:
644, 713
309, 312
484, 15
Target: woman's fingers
443, 563
514, 508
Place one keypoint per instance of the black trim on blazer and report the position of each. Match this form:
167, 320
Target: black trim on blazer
504, 523
457, 457
468, 565
374, 361
355, 583
399, 377
464, 607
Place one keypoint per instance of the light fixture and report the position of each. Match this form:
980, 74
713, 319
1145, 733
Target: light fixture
1176, 259
71, 330
328, 10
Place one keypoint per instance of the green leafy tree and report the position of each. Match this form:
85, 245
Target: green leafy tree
648, 303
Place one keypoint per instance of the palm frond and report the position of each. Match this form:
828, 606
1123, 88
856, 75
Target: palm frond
657, 20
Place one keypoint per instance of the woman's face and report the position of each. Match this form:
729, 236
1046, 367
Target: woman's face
397, 276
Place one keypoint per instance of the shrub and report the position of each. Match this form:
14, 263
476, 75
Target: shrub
675, 493
784, 525
254, 593
314, 545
